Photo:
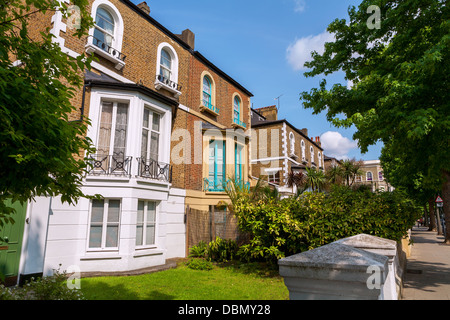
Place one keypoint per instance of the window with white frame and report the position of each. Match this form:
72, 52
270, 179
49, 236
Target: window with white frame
312, 154
167, 69
151, 132
104, 31
113, 129
105, 38
166, 65
104, 224
369, 176
380, 176
146, 224
303, 150
319, 155
292, 142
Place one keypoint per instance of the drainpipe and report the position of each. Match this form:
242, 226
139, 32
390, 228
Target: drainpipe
86, 84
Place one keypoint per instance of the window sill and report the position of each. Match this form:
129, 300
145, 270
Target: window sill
98, 255
239, 126
159, 85
91, 48
208, 110
144, 252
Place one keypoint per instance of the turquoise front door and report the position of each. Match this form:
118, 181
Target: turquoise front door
11, 246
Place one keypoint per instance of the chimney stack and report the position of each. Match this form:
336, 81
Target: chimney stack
144, 7
189, 37
270, 113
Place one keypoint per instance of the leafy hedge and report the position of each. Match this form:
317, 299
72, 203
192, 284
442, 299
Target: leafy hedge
280, 228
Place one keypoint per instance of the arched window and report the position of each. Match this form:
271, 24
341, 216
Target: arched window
166, 65
292, 142
319, 155
104, 32
303, 150
207, 91
312, 154
237, 108
369, 176
105, 37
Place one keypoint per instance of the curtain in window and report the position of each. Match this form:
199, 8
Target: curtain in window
120, 134
104, 27
166, 65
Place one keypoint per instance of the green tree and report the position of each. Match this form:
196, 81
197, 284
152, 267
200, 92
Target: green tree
40, 147
350, 169
315, 179
400, 75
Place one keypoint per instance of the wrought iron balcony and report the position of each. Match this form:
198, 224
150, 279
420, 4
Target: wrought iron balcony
105, 165
239, 123
152, 169
207, 106
113, 52
167, 82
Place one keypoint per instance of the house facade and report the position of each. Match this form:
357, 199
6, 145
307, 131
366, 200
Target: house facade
373, 176
169, 128
279, 148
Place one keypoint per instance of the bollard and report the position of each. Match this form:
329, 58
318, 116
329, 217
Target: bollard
335, 272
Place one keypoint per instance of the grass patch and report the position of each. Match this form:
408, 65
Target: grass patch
223, 282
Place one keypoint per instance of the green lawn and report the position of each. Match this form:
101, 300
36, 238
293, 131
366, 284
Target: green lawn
237, 282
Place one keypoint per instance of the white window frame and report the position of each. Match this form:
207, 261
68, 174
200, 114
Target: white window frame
174, 71
104, 226
311, 150
303, 146
145, 223
292, 142
150, 131
118, 33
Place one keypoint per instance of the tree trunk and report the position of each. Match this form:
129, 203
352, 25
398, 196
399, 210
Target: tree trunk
446, 198
432, 215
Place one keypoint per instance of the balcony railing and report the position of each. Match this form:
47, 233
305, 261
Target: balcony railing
239, 123
171, 84
214, 185
155, 170
113, 52
209, 107
219, 185
105, 165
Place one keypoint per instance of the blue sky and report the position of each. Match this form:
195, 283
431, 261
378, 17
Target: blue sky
262, 44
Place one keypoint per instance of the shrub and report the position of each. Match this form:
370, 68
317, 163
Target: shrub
221, 250
46, 288
199, 264
293, 225
198, 251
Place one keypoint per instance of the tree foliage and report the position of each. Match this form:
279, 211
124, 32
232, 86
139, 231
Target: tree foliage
40, 147
400, 75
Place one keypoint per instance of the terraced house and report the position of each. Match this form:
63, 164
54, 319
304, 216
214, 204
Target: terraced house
169, 128
279, 149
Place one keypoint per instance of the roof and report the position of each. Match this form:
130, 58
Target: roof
183, 44
256, 124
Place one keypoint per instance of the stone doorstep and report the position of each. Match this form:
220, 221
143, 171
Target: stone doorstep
170, 264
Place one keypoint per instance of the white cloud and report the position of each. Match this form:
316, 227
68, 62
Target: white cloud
337, 146
300, 51
300, 5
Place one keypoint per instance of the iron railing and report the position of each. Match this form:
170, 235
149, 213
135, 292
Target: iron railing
239, 123
152, 169
208, 105
107, 48
105, 165
168, 82
220, 185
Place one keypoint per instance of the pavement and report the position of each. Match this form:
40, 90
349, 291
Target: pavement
428, 269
